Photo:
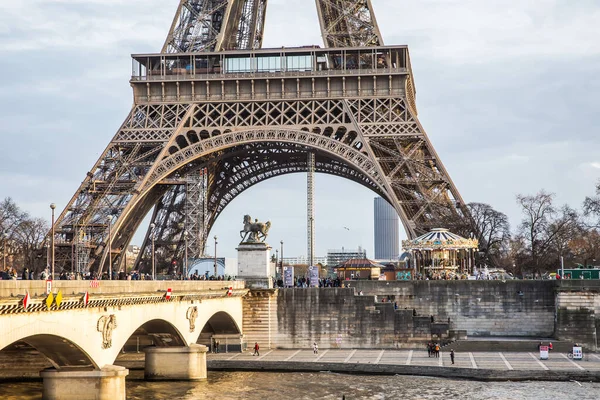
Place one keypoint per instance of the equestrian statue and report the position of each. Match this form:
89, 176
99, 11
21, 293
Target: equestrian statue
254, 232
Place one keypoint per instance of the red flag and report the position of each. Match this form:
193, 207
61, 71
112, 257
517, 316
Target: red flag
26, 301
86, 299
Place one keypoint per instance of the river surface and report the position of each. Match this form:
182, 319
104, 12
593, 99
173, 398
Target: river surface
266, 386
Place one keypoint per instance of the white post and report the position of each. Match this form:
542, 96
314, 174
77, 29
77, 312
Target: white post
562, 267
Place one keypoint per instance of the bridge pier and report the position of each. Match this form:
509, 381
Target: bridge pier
73, 384
176, 363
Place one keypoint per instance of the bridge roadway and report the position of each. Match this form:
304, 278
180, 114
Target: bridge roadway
82, 341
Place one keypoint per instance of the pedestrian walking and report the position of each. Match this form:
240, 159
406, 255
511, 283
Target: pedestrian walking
452, 356
256, 348
429, 349
437, 350
315, 348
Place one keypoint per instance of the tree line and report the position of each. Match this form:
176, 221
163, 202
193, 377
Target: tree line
21, 238
546, 233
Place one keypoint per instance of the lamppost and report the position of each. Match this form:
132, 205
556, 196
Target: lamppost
185, 263
276, 261
281, 270
52, 207
152, 226
109, 220
216, 256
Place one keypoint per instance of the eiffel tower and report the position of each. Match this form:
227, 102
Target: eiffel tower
215, 114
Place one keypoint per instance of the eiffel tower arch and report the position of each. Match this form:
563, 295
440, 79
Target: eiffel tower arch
215, 114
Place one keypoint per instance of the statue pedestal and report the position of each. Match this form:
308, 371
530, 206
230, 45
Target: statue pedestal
254, 265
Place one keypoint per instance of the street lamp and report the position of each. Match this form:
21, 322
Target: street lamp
281, 270
216, 257
52, 207
185, 264
152, 226
109, 220
276, 261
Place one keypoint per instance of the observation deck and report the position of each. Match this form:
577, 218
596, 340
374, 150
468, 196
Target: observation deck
283, 73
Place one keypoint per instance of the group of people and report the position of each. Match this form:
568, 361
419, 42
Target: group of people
8, 274
433, 349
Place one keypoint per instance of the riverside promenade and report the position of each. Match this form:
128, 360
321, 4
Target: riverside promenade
490, 366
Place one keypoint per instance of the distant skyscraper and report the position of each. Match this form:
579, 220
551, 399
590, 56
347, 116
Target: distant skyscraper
387, 240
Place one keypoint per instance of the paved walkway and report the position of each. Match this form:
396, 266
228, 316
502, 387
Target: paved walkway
476, 360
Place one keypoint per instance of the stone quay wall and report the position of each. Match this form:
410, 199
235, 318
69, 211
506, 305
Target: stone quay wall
338, 318
341, 318
578, 315
481, 308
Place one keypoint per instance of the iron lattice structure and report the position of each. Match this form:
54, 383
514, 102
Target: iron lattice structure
209, 123
215, 25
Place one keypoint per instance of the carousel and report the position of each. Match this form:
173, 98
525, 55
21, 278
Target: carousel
441, 253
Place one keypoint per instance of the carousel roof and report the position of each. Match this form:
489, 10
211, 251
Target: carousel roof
360, 263
440, 239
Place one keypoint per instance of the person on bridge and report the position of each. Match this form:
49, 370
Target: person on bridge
315, 348
256, 348
452, 356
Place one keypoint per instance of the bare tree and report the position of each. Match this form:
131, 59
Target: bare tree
491, 228
30, 235
585, 246
545, 229
10, 215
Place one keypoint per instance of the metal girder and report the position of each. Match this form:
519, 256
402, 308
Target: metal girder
348, 23
239, 169
215, 25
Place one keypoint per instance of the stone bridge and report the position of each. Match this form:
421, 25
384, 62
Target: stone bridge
81, 329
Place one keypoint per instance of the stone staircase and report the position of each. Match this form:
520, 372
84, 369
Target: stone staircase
260, 318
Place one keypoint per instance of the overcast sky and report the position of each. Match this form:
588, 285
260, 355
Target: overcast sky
508, 91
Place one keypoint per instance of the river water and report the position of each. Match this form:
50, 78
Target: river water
328, 386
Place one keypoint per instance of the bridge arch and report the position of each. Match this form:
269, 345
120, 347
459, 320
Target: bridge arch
59, 351
155, 332
336, 149
220, 326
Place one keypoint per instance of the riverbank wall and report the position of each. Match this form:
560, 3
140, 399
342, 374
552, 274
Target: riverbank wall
426, 310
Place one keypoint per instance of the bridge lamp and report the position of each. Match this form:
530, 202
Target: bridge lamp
216, 256
185, 265
152, 227
52, 207
281, 271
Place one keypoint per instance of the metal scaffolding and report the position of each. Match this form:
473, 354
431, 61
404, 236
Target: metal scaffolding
196, 212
